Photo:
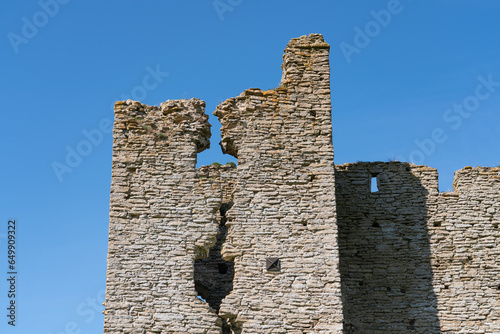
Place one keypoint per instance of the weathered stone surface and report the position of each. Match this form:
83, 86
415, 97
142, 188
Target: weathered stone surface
413, 260
385, 250
465, 249
162, 217
284, 200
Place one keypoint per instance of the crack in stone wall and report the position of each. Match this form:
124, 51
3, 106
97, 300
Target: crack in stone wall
161, 219
212, 275
284, 200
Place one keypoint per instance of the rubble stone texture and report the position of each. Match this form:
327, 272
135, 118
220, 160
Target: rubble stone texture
413, 260
465, 246
188, 247
161, 219
384, 249
284, 200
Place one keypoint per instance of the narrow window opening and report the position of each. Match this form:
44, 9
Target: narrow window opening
373, 184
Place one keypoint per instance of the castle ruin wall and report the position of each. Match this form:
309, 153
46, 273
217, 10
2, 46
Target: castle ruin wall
284, 204
465, 246
161, 220
413, 260
288, 242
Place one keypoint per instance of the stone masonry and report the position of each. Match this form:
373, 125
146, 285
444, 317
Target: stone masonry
161, 219
413, 260
284, 203
286, 241
384, 249
465, 251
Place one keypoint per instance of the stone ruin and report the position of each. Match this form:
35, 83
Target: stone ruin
288, 242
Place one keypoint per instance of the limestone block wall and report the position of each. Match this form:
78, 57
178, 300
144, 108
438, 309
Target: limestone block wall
465, 240
284, 200
413, 260
385, 254
161, 219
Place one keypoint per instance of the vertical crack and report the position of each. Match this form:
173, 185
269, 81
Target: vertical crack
213, 277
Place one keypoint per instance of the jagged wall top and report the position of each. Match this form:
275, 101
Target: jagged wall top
172, 121
297, 58
411, 258
303, 99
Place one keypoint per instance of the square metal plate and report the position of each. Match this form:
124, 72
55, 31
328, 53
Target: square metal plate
273, 264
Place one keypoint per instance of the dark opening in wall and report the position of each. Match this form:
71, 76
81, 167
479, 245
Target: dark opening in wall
213, 277
222, 268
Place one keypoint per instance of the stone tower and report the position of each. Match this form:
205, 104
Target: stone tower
161, 220
287, 242
284, 205
273, 217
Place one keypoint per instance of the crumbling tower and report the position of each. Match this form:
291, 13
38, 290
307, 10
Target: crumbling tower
275, 244
284, 208
278, 205
161, 220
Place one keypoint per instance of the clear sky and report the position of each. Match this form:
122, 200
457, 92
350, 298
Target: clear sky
411, 80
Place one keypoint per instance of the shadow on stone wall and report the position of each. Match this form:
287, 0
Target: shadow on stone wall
385, 267
212, 275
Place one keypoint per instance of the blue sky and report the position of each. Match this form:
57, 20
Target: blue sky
411, 80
